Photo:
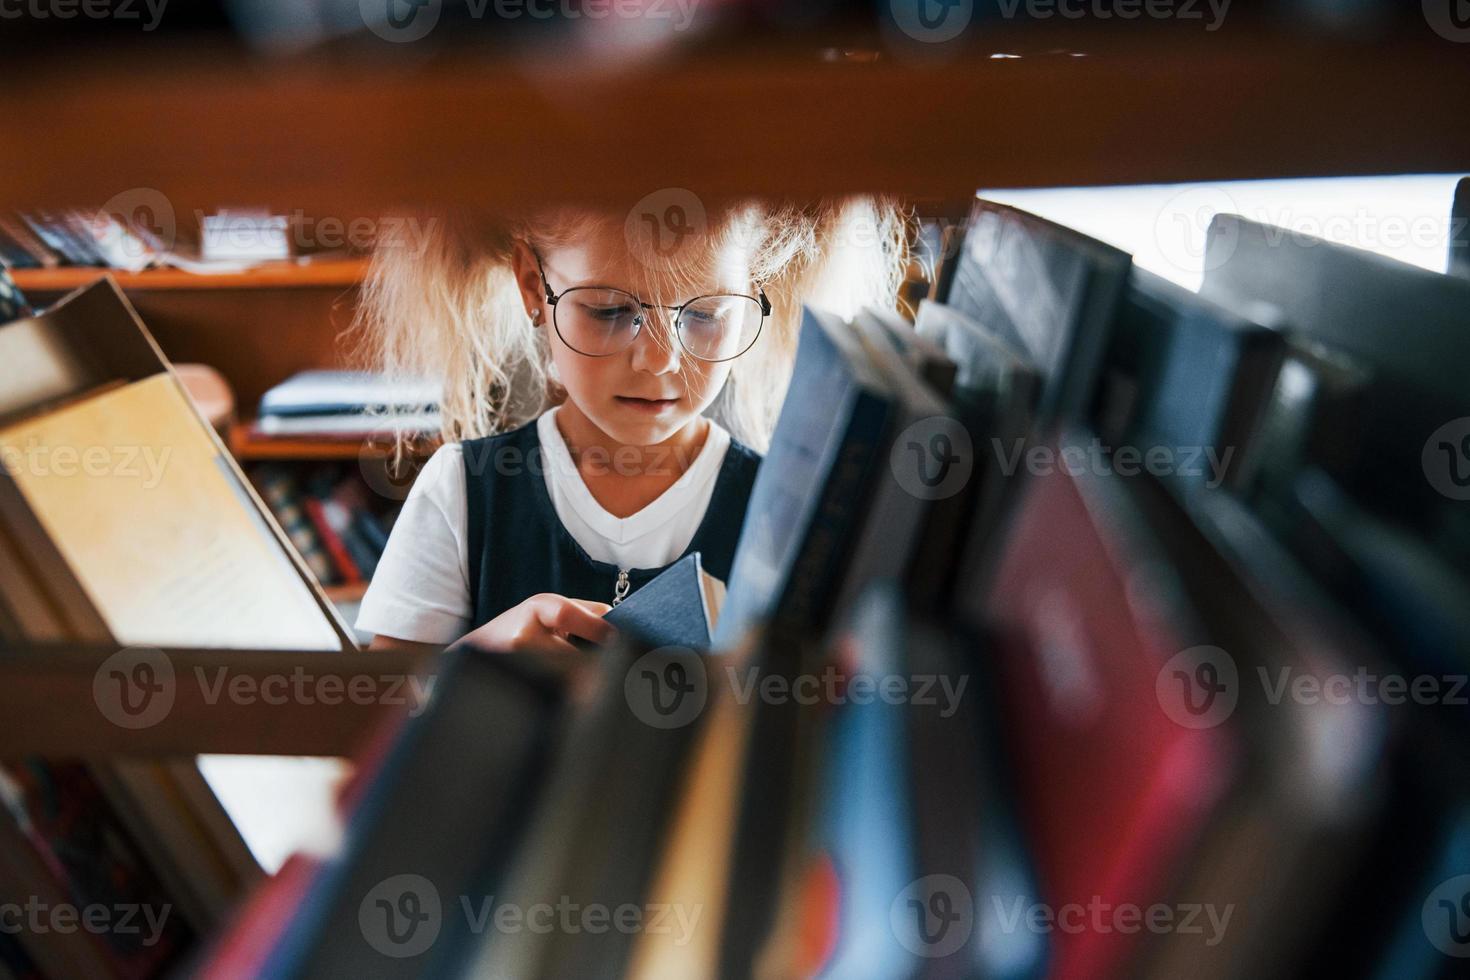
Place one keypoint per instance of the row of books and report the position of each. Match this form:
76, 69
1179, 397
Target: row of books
123, 522
139, 237
331, 518
47, 239
1078, 525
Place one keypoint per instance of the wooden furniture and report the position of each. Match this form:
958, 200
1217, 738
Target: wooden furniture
353, 135
330, 721
339, 138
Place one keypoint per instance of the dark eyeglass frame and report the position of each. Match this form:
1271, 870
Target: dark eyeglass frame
552, 298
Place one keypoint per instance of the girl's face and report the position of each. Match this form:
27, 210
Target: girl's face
647, 392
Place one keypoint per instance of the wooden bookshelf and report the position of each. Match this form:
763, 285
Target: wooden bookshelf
340, 273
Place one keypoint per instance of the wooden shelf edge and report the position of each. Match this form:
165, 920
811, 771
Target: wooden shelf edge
1141, 107
249, 446
338, 273
50, 699
351, 592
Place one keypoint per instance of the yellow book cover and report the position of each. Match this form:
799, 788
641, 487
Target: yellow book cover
155, 526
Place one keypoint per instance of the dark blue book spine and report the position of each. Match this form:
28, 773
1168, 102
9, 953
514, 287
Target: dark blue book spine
813, 582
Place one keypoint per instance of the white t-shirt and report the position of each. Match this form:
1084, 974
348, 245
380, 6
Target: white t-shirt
421, 589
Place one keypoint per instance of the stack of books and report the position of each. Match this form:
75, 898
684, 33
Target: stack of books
348, 405
248, 236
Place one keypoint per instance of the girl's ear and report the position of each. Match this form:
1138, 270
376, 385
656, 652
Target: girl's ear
528, 281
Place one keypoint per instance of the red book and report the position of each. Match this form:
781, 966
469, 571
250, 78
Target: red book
248, 944
332, 540
1112, 789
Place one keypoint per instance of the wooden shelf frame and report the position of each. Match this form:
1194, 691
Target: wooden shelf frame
247, 445
348, 136
35, 681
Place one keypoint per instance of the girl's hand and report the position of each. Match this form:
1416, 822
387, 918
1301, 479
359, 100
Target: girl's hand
545, 623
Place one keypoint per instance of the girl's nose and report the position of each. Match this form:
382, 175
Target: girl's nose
656, 349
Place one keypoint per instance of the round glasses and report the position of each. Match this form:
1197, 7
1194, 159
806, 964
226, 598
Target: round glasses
600, 320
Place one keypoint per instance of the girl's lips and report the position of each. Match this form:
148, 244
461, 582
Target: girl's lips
650, 405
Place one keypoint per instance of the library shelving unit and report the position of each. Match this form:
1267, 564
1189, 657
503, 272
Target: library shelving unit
372, 131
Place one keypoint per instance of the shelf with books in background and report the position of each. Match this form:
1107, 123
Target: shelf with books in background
324, 452
258, 296
241, 299
141, 241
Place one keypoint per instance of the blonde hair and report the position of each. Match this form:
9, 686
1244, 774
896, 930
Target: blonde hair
448, 308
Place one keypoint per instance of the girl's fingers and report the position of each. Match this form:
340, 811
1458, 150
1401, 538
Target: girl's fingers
571, 618
553, 645
595, 608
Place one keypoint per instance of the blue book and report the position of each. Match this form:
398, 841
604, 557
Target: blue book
812, 487
678, 608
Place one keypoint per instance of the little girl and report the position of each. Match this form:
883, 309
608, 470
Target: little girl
601, 401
